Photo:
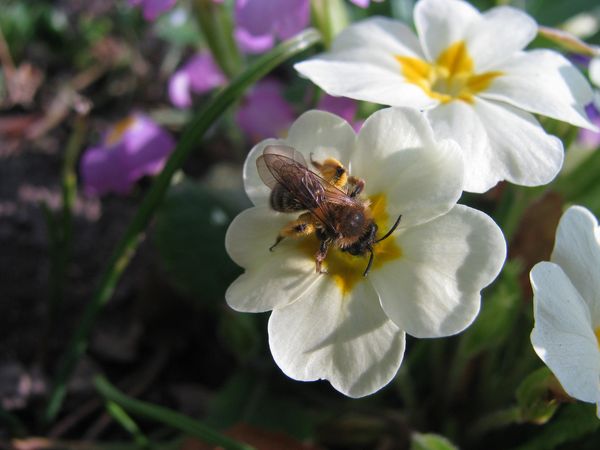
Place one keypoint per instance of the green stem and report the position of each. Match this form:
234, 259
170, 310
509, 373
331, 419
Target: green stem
578, 182
128, 244
515, 200
128, 424
65, 227
495, 420
217, 28
167, 417
330, 17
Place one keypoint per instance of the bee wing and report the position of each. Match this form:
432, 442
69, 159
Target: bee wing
273, 160
287, 167
287, 151
335, 195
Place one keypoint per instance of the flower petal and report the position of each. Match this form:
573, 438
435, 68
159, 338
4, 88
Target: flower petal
441, 23
458, 121
398, 156
256, 190
251, 43
342, 106
273, 278
324, 135
577, 252
433, 289
204, 73
499, 33
525, 152
102, 171
364, 74
318, 132
347, 340
380, 34
179, 89
595, 70
292, 17
499, 142
146, 147
543, 82
563, 337
264, 111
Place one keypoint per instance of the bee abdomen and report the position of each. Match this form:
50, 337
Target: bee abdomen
283, 201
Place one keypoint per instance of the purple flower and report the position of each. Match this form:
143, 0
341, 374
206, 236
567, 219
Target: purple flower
260, 22
589, 139
264, 112
344, 107
199, 75
134, 147
153, 8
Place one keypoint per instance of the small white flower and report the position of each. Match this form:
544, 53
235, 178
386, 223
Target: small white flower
566, 306
470, 73
426, 277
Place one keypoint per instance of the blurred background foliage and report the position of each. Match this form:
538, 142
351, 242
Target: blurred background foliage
167, 337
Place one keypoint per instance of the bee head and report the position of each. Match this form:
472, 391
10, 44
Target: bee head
365, 242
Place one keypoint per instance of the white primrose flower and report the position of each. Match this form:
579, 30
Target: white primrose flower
425, 279
566, 306
469, 72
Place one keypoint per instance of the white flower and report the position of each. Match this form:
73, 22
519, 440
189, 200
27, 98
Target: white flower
425, 279
566, 306
469, 72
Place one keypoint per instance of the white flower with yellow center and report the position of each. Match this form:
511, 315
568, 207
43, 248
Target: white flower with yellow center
468, 71
566, 306
425, 279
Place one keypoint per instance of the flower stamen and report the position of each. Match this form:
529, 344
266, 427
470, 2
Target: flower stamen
347, 270
451, 77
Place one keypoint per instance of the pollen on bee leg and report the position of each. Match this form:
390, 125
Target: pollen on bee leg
302, 226
333, 171
358, 183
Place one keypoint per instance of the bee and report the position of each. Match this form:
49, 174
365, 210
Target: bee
329, 203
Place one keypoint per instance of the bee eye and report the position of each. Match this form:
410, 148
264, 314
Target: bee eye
340, 171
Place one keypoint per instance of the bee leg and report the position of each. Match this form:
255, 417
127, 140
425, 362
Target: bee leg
332, 171
321, 255
300, 227
358, 183
277, 241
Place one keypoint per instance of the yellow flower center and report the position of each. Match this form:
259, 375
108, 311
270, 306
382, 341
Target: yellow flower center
597, 333
119, 129
451, 77
347, 270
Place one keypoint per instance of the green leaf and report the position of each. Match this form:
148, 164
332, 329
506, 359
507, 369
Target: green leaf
240, 334
246, 398
178, 28
574, 422
128, 244
330, 17
556, 12
216, 24
190, 238
581, 180
166, 416
533, 396
430, 441
498, 314
128, 424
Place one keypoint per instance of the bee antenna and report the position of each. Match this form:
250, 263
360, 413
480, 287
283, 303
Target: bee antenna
369, 263
391, 230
